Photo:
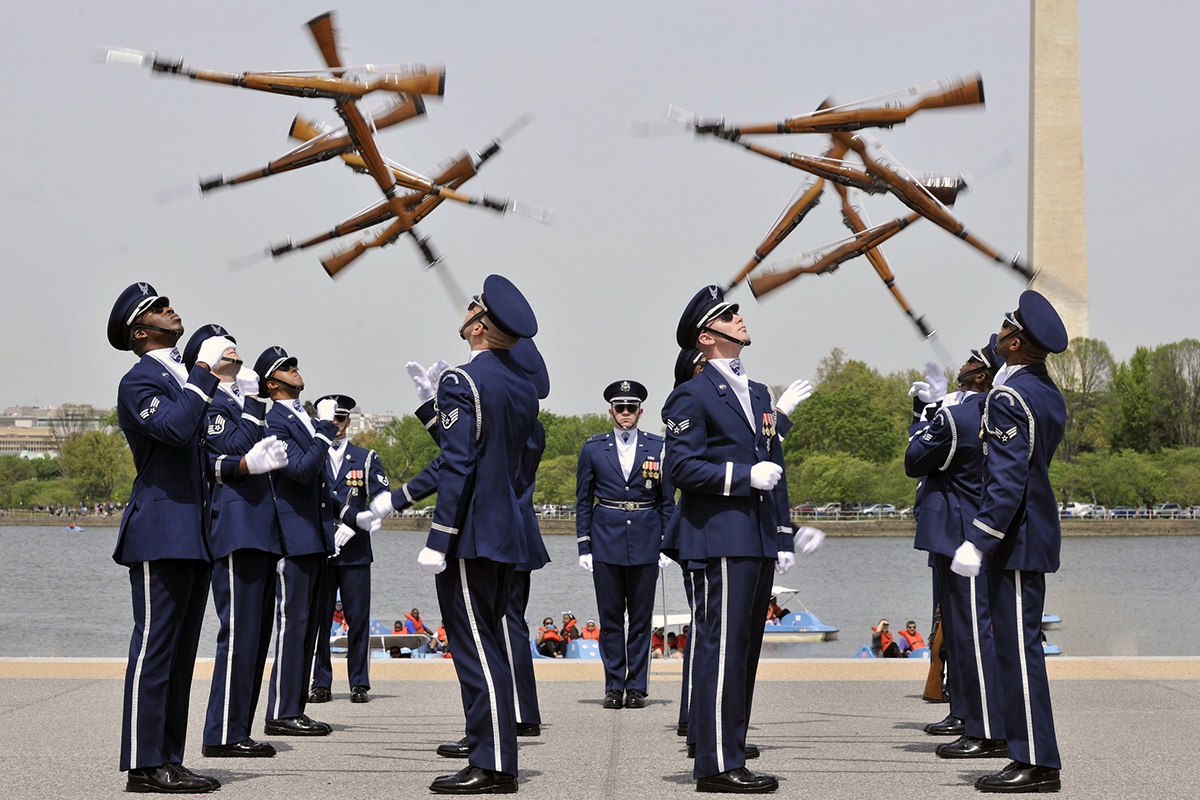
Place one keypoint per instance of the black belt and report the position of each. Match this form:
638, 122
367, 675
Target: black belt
626, 505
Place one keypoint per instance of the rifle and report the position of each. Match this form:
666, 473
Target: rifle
320, 143
792, 217
934, 692
946, 93
888, 172
844, 250
855, 218
831, 169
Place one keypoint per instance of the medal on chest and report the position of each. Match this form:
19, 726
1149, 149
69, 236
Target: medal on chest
651, 471
355, 479
768, 428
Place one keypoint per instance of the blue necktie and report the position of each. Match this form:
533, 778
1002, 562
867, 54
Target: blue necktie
735, 366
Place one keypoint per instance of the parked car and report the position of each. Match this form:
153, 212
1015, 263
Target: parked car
1167, 511
879, 510
1124, 512
852, 508
1096, 512
1076, 510
905, 512
804, 508
829, 510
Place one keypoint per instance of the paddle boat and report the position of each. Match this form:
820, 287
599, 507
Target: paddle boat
796, 626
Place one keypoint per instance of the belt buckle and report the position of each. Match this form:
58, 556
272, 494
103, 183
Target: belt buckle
629, 505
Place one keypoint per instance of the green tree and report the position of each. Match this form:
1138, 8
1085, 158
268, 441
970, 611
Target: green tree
1176, 378
845, 420
836, 478
404, 447
556, 481
1141, 422
565, 435
14, 469
97, 462
1083, 374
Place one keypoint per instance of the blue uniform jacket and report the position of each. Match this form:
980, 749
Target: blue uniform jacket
947, 454
1017, 525
243, 506
360, 478
619, 536
711, 448
307, 515
486, 412
164, 425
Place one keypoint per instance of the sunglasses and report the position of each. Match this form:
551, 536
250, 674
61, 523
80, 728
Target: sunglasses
626, 408
724, 316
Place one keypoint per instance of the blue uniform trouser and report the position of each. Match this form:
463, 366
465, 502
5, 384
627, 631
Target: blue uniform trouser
169, 597
693, 587
729, 632
299, 619
355, 582
520, 657
1018, 599
974, 680
622, 590
243, 588
473, 595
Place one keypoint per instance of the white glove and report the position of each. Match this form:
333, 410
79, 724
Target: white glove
784, 562
434, 373
381, 506
343, 534
279, 566
211, 350
586, 562
247, 381
933, 388
431, 561
808, 539
664, 561
420, 380
266, 454
375, 525
793, 396
765, 474
968, 560
326, 409
366, 519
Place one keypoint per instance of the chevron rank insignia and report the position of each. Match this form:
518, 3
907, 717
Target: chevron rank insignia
383, 479
217, 426
678, 427
449, 418
1004, 437
149, 410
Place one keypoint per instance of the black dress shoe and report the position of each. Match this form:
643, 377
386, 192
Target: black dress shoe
320, 694
297, 726
751, 751
740, 780
950, 726
1018, 777
169, 779
970, 747
613, 699
529, 729
454, 749
635, 699
681, 729
245, 749
358, 694
475, 780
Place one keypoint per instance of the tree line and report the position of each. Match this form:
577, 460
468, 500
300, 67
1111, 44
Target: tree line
1132, 438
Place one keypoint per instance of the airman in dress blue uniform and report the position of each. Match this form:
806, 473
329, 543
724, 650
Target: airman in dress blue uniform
161, 407
724, 455
946, 454
487, 410
1017, 538
354, 475
622, 505
307, 525
245, 544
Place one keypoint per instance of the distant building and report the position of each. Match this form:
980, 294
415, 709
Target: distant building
33, 431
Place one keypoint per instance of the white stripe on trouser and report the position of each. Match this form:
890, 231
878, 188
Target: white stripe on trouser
691, 641
137, 669
229, 658
987, 725
721, 661
487, 674
1024, 666
512, 667
282, 633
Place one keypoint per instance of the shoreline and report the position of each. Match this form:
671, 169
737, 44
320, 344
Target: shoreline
834, 528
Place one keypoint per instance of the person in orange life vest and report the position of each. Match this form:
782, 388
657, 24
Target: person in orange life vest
339, 616
672, 644
774, 612
912, 636
591, 630
570, 626
414, 624
439, 643
550, 642
657, 643
398, 628
681, 641
882, 643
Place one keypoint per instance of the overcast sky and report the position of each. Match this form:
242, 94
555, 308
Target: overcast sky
641, 223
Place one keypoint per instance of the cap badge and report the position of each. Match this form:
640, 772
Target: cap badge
624, 386
144, 289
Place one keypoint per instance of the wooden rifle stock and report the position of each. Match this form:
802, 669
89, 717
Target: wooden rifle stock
768, 282
934, 692
957, 92
827, 168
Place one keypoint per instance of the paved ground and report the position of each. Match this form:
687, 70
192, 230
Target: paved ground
828, 728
